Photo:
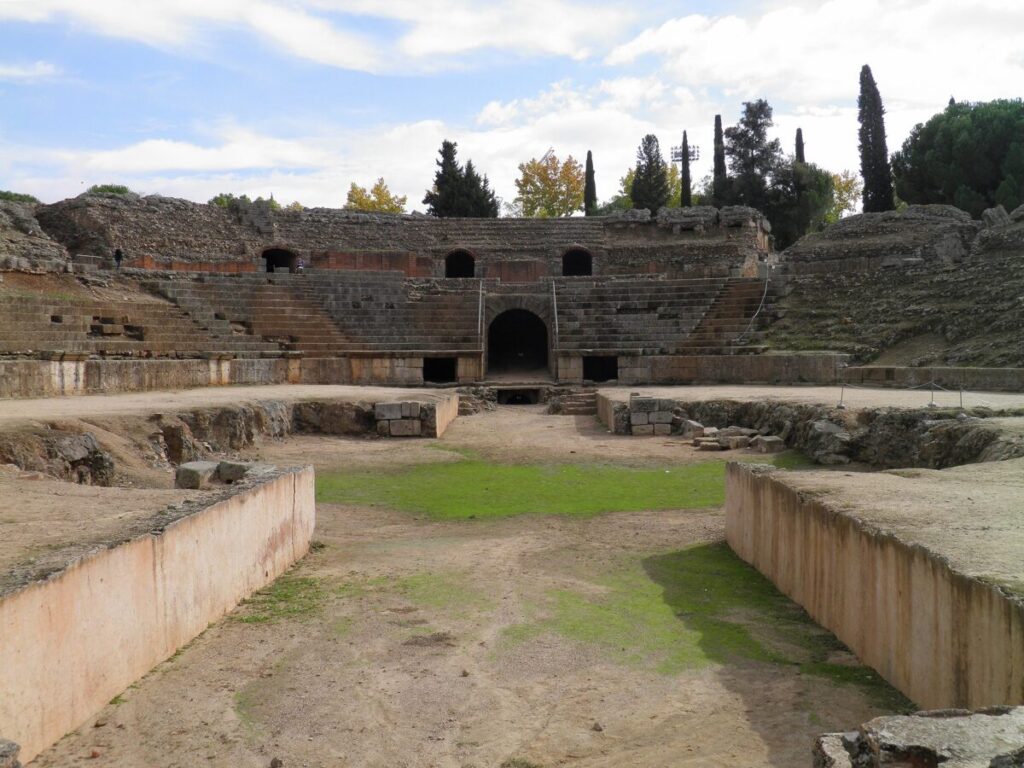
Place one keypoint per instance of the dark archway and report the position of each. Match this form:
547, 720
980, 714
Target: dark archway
577, 262
517, 342
280, 260
459, 264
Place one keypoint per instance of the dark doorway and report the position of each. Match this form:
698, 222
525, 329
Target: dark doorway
517, 341
280, 260
440, 370
600, 368
459, 264
577, 263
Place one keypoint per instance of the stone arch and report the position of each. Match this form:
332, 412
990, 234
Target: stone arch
517, 342
280, 260
577, 261
459, 263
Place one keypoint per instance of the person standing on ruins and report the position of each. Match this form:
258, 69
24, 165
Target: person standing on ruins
118, 258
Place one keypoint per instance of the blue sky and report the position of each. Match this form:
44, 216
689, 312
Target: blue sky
298, 98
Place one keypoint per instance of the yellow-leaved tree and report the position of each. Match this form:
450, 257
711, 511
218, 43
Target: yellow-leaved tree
379, 199
549, 187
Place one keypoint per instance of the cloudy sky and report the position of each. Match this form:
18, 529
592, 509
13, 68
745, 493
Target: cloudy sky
298, 98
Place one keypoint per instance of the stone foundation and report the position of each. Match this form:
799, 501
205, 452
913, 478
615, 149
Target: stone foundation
76, 639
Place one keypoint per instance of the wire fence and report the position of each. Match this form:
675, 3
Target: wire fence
931, 387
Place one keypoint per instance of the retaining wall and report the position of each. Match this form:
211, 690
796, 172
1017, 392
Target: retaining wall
976, 379
74, 641
944, 639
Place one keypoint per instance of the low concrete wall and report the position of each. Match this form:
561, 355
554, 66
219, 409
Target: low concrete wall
74, 641
976, 379
943, 639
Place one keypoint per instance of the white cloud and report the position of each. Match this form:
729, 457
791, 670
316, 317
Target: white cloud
38, 70
432, 34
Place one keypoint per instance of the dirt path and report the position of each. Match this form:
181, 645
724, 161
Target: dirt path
559, 641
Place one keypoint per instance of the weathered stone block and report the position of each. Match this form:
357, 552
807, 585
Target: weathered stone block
712, 445
768, 444
643, 404
387, 411
406, 428
384, 428
660, 417
639, 418
691, 428
195, 474
232, 471
410, 410
737, 441
663, 429
643, 429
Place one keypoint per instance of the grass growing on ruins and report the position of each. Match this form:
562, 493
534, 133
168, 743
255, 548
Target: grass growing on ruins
694, 607
445, 590
289, 597
475, 488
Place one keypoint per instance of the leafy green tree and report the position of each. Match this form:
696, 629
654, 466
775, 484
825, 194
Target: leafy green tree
225, 199
108, 189
969, 155
720, 176
753, 157
846, 193
549, 188
650, 187
17, 197
459, 191
685, 198
798, 200
589, 188
378, 198
874, 156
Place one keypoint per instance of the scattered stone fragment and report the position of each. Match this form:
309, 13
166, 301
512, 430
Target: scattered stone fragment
768, 444
692, 428
232, 471
597, 727
195, 474
9, 754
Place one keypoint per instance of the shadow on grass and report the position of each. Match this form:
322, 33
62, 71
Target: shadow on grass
736, 615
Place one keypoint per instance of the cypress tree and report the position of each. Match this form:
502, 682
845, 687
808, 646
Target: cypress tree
589, 188
720, 180
684, 178
650, 180
459, 191
874, 156
800, 145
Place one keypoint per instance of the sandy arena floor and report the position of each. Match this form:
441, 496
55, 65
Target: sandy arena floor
412, 659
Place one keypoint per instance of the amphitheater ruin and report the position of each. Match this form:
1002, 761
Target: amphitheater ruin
315, 487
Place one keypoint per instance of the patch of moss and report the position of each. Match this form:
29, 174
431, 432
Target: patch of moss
446, 591
289, 597
694, 607
478, 489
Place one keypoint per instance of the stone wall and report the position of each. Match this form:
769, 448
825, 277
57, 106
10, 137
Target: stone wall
973, 379
75, 640
155, 231
23, 243
942, 638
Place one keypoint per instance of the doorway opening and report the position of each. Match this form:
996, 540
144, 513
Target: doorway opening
517, 342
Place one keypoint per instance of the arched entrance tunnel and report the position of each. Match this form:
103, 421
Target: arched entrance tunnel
280, 260
517, 342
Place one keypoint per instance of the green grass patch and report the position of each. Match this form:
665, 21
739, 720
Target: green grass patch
474, 488
288, 597
446, 591
694, 607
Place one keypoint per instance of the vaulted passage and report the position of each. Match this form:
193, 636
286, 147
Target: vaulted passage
280, 260
459, 264
517, 342
577, 263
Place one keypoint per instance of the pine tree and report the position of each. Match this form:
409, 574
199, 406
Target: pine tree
459, 191
874, 156
720, 179
589, 188
800, 145
650, 188
753, 157
685, 200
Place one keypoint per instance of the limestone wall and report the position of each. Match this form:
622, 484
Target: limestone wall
74, 641
943, 639
974, 379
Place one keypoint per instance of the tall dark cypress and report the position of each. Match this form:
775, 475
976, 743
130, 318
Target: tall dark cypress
650, 180
800, 145
874, 156
589, 188
684, 179
720, 180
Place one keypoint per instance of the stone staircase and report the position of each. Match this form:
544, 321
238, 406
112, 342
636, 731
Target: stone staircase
580, 403
30, 324
701, 316
328, 314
